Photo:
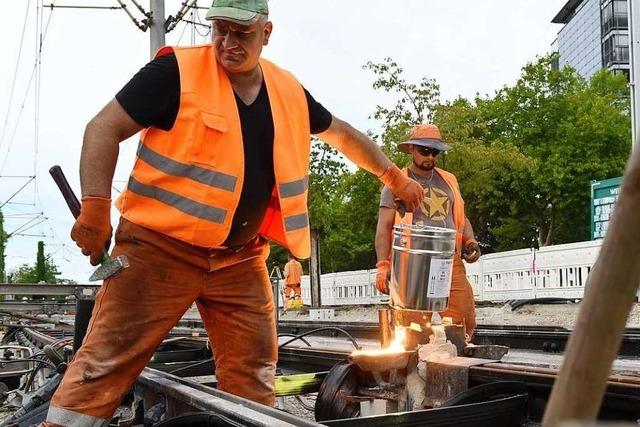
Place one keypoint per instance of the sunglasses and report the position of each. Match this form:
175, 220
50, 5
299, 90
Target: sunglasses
425, 151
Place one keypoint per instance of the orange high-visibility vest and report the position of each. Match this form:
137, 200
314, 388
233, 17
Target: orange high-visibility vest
458, 206
186, 182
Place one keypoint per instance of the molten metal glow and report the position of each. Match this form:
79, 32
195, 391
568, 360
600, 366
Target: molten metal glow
396, 346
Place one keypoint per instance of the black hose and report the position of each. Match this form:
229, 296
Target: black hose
326, 328
546, 300
32, 376
295, 338
304, 405
193, 365
294, 335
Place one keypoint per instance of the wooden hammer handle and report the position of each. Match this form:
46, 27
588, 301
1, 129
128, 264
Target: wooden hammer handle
609, 295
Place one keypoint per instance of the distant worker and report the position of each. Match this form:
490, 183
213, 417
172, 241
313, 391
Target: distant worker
222, 167
292, 278
443, 207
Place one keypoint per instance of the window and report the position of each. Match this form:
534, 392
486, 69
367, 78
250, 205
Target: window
614, 16
615, 50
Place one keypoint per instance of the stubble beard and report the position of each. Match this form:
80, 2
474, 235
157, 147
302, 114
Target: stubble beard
425, 166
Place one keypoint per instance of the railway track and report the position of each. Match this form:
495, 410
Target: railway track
539, 338
188, 390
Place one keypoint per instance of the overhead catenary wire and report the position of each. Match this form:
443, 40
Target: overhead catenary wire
172, 21
26, 226
31, 178
15, 73
184, 29
41, 40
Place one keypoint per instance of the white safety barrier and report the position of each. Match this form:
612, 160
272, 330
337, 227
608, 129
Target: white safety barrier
552, 271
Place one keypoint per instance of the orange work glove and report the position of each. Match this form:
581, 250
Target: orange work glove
406, 189
382, 276
92, 230
471, 251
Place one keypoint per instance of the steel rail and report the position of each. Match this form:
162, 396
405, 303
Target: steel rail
541, 338
190, 395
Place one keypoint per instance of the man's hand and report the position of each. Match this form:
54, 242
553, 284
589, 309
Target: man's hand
406, 189
92, 230
382, 276
471, 251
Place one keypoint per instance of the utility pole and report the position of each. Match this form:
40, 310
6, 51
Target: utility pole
634, 68
314, 270
156, 26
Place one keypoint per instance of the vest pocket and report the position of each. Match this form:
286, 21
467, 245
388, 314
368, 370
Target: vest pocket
208, 129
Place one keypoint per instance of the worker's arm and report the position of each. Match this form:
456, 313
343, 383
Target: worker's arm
92, 229
467, 233
471, 249
361, 150
384, 233
100, 148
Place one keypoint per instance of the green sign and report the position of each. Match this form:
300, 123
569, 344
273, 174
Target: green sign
603, 197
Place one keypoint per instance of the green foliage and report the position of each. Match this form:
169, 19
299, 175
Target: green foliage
575, 130
44, 270
41, 269
524, 157
415, 103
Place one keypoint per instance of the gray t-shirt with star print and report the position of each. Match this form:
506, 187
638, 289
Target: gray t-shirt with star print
438, 201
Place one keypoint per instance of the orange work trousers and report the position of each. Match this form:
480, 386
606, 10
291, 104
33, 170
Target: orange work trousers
293, 288
462, 308
135, 310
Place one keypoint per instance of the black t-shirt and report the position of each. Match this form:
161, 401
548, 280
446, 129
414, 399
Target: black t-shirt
152, 98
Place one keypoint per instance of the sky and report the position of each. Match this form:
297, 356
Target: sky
469, 47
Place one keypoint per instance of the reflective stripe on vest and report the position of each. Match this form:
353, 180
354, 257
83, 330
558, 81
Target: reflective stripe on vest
196, 173
295, 188
296, 222
190, 207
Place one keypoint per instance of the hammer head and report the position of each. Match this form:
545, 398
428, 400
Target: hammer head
109, 267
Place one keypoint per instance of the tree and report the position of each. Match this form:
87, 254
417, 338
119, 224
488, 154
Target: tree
41, 269
493, 175
415, 103
576, 131
44, 270
525, 156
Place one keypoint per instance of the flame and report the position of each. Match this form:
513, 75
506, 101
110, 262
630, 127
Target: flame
396, 346
398, 340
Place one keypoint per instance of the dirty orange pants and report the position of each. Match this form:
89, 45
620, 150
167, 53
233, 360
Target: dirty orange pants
294, 288
462, 307
135, 310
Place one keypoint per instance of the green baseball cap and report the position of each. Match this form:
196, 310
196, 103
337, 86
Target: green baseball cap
243, 12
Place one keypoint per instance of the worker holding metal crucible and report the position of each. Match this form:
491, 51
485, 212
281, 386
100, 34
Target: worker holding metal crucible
222, 169
442, 207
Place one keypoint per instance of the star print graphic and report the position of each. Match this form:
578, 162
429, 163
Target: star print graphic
436, 204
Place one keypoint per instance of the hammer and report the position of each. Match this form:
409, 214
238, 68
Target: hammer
108, 267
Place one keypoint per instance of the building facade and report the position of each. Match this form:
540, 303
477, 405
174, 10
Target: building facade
595, 35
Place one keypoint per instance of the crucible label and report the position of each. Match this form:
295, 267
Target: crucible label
439, 278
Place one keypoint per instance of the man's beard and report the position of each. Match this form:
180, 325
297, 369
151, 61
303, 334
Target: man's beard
425, 166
